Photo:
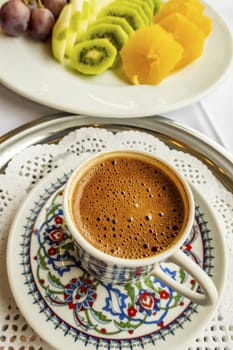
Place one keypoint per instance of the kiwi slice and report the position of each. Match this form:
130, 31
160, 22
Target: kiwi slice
150, 3
134, 5
157, 4
141, 7
123, 11
93, 56
147, 7
115, 20
113, 32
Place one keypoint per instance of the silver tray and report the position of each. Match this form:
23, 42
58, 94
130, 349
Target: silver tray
51, 129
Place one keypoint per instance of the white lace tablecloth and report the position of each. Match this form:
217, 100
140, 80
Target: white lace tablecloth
36, 162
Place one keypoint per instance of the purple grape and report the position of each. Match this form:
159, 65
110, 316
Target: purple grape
55, 6
41, 23
14, 17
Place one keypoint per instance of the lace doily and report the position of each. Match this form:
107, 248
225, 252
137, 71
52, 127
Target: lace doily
36, 162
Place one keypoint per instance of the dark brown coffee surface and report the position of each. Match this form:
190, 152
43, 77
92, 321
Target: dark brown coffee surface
128, 208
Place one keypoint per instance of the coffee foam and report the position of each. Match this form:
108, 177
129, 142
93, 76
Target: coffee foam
128, 208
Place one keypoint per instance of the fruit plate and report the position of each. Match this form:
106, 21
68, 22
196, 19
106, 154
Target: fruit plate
69, 309
28, 68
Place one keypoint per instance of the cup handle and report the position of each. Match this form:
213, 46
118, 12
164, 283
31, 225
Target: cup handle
179, 258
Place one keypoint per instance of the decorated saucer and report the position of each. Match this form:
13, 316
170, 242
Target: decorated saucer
70, 309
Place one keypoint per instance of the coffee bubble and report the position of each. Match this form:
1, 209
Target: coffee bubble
149, 217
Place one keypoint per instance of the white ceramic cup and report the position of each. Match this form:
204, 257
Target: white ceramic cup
110, 269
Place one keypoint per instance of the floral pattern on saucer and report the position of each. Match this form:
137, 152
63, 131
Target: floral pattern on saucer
108, 316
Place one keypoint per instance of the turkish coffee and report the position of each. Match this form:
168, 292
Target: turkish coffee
129, 205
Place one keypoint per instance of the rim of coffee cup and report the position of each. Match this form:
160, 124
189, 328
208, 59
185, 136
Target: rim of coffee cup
74, 177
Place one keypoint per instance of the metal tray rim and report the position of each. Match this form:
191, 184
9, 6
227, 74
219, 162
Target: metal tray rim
47, 128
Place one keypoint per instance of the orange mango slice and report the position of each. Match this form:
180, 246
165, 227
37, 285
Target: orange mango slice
187, 9
187, 34
196, 3
150, 55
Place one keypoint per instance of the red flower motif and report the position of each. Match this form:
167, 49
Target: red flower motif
188, 247
103, 330
138, 271
147, 302
132, 311
57, 235
52, 251
164, 294
58, 220
83, 289
130, 331
79, 294
71, 305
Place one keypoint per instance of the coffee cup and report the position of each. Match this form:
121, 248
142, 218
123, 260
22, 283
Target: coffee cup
128, 211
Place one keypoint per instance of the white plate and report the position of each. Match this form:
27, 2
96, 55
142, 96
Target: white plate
70, 311
28, 68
